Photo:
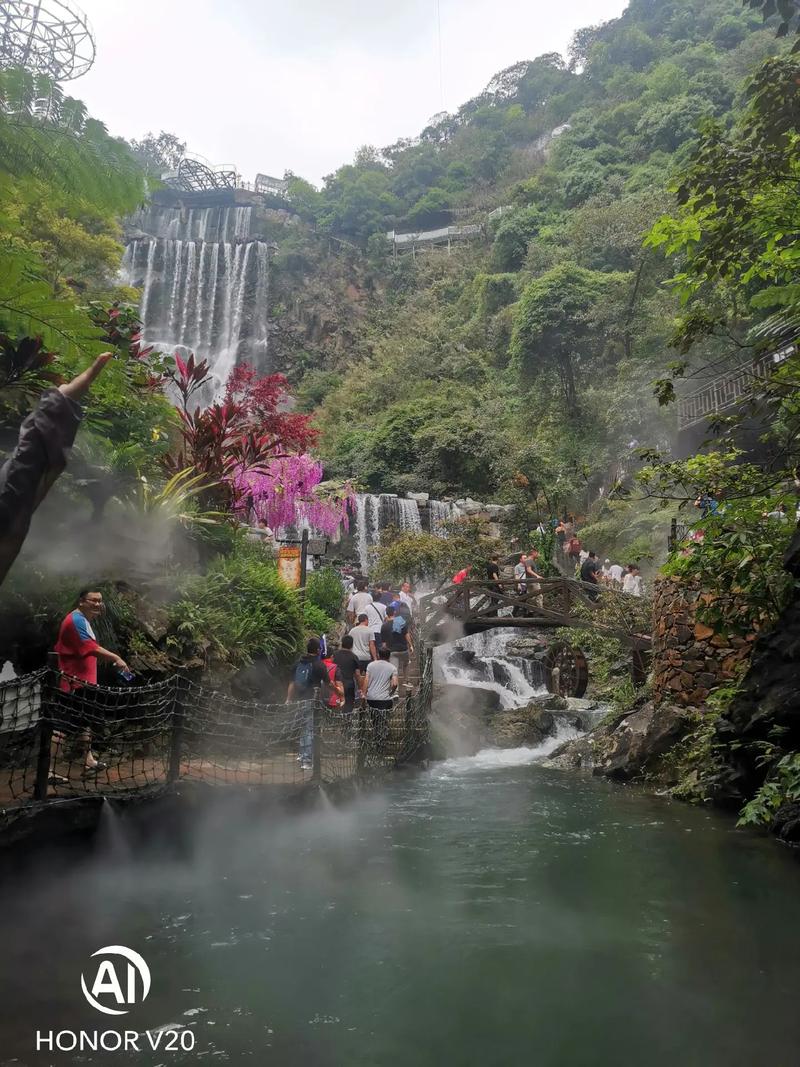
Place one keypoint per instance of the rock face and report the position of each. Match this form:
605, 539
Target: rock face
538, 720
767, 706
627, 747
460, 718
689, 660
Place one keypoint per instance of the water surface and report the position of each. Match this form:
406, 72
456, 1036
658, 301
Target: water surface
489, 911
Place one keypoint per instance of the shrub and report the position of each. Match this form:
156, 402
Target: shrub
236, 612
324, 590
316, 621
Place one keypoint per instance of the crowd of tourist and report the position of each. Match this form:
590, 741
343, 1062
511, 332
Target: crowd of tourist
586, 566
368, 665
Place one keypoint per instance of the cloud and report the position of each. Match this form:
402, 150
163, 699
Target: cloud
272, 86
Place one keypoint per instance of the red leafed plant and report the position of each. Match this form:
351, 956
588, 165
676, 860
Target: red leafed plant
244, 431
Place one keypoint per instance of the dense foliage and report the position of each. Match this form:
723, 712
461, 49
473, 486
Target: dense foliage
532, 348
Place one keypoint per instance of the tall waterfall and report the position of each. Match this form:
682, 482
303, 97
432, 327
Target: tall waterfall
204, 282
374, 514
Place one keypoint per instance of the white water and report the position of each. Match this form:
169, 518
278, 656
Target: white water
374, 514
490, 759
516, 680
441, 511
204, 282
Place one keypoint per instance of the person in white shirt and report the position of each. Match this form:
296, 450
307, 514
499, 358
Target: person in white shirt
364, 648
358, 601
605, 572
378, 686
376, 614
407, 597
616, 572
632, 582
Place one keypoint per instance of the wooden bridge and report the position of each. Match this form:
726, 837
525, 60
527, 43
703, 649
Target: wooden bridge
548, 603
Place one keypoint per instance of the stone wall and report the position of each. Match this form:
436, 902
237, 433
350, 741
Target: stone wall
689, 659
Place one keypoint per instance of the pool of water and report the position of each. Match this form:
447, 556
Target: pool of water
488, 911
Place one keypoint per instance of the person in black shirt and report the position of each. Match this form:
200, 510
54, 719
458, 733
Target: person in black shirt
309, 674
589, 573
346, 661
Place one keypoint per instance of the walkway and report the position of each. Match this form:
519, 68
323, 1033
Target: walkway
175, 731
550, 602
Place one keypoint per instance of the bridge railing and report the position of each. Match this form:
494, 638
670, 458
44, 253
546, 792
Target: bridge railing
545, 602
150, 736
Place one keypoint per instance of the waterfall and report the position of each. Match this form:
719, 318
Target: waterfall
516, 679
374, 514
441, 511
204, 282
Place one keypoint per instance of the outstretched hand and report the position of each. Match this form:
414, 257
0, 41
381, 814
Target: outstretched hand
81, 383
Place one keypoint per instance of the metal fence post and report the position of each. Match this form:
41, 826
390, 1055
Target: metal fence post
316, 752
49, 682
176, 731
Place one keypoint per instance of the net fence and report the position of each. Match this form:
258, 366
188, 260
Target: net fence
58, 741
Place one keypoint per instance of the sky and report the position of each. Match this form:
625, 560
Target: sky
300, 85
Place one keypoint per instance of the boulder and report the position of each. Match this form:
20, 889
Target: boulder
629, 746
470, 506
640, 739
419, 498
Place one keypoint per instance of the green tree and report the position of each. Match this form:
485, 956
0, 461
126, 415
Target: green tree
553, 327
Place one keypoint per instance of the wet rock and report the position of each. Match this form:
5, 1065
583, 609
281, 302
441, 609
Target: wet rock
467, 699
640, 738
786, 823
530, 725
627, 747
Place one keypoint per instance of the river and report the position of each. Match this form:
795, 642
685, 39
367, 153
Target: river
487, 911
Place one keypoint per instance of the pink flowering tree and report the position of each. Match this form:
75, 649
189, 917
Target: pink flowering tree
286, 492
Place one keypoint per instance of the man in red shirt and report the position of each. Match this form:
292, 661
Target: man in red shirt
78, 651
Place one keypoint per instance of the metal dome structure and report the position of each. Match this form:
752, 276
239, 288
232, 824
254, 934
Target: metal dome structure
46, 37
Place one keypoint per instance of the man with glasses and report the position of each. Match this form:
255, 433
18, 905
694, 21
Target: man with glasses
78, 651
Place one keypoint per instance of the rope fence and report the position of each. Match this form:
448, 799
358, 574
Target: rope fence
149, 737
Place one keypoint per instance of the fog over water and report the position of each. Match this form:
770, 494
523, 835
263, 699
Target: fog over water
489, 910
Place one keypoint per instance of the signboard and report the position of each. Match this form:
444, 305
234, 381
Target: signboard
317, 548
289, 565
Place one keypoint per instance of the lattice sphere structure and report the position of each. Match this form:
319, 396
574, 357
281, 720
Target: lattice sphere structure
49, 37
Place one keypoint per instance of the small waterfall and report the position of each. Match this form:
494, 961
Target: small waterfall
374, 514
516, 679
441, 511
204, 282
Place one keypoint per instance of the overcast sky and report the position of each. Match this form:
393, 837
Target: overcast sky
271, 85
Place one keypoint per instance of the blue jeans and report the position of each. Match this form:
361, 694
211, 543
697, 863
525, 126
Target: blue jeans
307, 735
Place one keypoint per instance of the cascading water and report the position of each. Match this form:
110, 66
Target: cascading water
441, 511
204, 282
374, 514
516, 679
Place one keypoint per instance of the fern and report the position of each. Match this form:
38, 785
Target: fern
27, 306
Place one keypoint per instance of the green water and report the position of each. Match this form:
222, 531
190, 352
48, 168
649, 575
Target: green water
475, 914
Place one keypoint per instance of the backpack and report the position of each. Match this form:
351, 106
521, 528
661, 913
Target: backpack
331, 668
302, 674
